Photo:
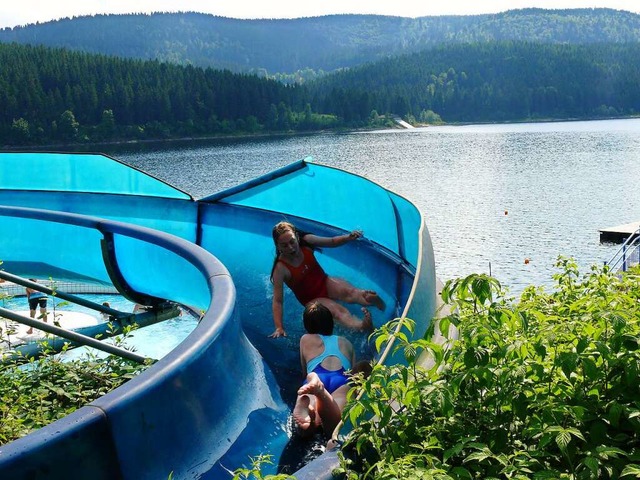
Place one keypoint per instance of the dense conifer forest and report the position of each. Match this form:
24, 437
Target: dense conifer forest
59, 95
487, 82
54, 95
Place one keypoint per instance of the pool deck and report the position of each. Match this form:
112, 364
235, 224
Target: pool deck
620, 233
14, 333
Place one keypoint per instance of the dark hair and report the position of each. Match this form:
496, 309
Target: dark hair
317, 318
279, 229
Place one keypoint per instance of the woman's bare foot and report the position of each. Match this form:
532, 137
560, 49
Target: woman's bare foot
367, 323
372, 298
304, 413
314, 385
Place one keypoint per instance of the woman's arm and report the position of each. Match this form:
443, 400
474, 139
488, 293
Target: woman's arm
352, 353
338, 240
303, 360
277, 303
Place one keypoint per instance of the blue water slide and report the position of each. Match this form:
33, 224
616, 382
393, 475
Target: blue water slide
225, 393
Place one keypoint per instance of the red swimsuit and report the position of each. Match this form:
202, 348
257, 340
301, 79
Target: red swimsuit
308, 280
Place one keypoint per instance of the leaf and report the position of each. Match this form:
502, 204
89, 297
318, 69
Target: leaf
541, 350
452, 451
481, 288
379, 341
592, 464
631, 470
563, 439
444, 325
568, 362
477, 456
590, 369
614, 414
461, 472
576, 433
355, 412
470, 358
582, 344
610, 452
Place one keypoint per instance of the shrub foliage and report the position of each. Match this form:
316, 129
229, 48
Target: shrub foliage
545, 386
42, 391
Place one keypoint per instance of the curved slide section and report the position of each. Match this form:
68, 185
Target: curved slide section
225, 393
183, 412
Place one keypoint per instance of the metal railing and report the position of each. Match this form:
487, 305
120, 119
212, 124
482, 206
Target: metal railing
74, 336
627, 255
11, 289
87, 336
163, 311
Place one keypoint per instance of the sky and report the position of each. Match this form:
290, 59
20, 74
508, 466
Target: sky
23, 12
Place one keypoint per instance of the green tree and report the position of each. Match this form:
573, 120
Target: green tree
107, 124
285, 119
272, 118
430, 117
20, 132
251, 124
68, 126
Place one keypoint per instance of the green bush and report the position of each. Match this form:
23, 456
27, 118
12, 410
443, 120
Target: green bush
42, 391
255, 471
543, 387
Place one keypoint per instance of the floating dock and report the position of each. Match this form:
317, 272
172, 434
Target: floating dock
620, 233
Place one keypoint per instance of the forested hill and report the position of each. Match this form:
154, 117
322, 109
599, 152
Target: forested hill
319, 43
56, 95
488, 82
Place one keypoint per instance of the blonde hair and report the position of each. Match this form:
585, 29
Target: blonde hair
283, 227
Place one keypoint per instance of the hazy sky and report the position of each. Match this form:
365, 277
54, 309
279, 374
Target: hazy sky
22, 12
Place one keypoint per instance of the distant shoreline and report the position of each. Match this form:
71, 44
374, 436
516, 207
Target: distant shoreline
90, 147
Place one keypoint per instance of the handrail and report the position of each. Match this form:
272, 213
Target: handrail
630, 246
65, 296
107, 438
106, 227
148, 235
103, 330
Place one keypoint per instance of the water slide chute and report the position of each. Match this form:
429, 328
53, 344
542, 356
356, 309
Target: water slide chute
225, 392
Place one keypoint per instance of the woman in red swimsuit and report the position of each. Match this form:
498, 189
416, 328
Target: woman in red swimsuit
295, 265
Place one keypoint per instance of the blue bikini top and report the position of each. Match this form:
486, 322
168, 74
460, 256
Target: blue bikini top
331, 349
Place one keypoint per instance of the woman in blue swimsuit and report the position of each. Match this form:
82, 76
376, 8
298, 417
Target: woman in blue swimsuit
325, 360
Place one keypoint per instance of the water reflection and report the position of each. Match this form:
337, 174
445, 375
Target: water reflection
559, 183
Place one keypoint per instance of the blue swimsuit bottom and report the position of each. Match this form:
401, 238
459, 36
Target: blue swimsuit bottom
331, 379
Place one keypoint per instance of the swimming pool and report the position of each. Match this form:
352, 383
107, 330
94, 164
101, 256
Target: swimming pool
153, 341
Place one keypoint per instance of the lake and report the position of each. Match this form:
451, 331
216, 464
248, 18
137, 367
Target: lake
492, 195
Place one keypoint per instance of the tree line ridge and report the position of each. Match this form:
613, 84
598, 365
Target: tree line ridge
52, 94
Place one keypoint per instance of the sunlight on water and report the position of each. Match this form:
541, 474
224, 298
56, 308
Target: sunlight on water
558, 182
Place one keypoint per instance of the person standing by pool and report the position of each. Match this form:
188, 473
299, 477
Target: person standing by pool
295, 265
35, 299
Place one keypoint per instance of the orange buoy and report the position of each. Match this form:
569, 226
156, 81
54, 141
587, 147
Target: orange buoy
526, 261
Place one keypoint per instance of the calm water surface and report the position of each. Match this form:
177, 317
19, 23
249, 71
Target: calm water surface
558, 182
